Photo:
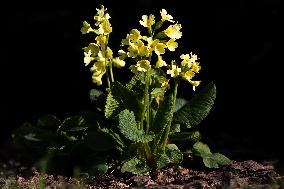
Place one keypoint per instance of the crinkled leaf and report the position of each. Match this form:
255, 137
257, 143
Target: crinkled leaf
137, 83
135, 166
201, 149
193, 136
128, 127
116, 137
100, 141
93, 119
50, 122
180, 102
75, 123
216, 160
157, 77
175, 128
94, 94
121, 98
99, 98
172, 155
157, 92
192, 113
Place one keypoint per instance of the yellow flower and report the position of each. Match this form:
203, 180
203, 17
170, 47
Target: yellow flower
99, 67
135, 35
104, 28
93, 48
97, 79
165, 16
117, 62
108, 53
151, 44
101, 15
101, 40
147, 21
174, 72
126, 41
188, 59
88, 58
195, 84
173, 31
195, 67
143, 51
122, 54
165, 84
172, 45
86, 28
160, 48
143, 65
133, 50
160, 62
188, 75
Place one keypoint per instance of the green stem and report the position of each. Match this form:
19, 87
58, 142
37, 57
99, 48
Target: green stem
111, 73
146, 98
108, 81
168, 128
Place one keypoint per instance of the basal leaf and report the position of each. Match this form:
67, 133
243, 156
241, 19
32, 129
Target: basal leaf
135, 166
49, 122
192, 113
216, 160
99, 98
201, 149
75, 123
193, 136
128, 127
171, 156
180, 102
175, 128
100, 141
121, 98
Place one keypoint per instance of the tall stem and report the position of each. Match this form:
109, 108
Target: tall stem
168, 128
146, 99
111, 73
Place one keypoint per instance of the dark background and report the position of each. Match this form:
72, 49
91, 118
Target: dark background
238, 42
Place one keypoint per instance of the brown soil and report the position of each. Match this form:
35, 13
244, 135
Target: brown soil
244, 174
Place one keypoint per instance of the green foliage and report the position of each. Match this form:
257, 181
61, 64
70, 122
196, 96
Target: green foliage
128, 128
136, 127
193, 112
210, 160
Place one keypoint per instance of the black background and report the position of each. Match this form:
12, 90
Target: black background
238, 43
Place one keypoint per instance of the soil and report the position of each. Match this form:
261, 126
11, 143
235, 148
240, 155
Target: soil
240, 174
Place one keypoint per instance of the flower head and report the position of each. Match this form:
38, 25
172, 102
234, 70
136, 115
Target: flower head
117, 62
147, 21
165, 16
172, 45
173, 31
195, 84
86, 28
160, 62
143, 65
174, 72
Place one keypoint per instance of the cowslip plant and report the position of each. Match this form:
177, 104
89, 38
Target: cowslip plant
137, 126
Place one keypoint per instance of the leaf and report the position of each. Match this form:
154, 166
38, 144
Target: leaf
201, 149
100, 141
121, 98
99, 98
193, 136
172, 155
192, 113
75, 123
180, 102
175, 128
160, 35
135, 166
128, 127
157, 92
50, 122
158, 76
210, 160
216, 160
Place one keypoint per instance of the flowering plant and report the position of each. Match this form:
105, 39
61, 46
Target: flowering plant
138, 126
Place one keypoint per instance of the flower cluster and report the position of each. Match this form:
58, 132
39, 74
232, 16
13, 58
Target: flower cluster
99, 53
143, 48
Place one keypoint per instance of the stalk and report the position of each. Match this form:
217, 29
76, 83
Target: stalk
146, 99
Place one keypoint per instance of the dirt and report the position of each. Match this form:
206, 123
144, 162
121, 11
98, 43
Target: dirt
243, 174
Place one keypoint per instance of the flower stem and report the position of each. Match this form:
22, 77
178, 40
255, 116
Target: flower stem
168, 128
146, 100
111, 73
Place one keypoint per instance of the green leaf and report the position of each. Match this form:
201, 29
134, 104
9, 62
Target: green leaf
193, 136
121, 98
201, 149
210, 160
158, 76
160, 35
216, 160
180, 102
192, 113
175, 128
135, 166
50, 122
157, 92
95, 94
128, 127
99, 98
100, 141
75, 123
171, 156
